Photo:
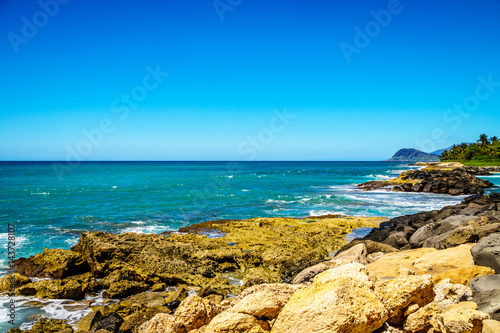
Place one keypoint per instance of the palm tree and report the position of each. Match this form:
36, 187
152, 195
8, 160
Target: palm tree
494, 139
484, 140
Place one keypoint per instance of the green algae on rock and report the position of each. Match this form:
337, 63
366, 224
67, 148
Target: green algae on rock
267, 249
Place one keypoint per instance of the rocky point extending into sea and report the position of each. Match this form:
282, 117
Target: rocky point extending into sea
443, 178
436, 271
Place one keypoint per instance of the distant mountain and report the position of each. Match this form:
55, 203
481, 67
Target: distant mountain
413, 155
440, 151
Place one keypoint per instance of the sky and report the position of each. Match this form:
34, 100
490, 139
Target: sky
245, 79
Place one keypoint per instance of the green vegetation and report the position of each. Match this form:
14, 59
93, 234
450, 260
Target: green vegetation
485, 152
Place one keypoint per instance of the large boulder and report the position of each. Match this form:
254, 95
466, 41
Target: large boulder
356, 253
44, 325
308, 274
193, 313
14, 280
485, 283
52, 263
158, 324
342, 299
407, 289
125, 288
264, 301
73, 287
231, 322
422, 318
455, 263
487, 252
460, 318
486, 293
491, 326
451, 293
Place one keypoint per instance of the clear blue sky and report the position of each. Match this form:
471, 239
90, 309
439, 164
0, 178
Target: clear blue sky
227, 77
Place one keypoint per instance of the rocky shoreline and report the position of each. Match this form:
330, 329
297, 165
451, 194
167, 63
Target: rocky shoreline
442, 178
429, 272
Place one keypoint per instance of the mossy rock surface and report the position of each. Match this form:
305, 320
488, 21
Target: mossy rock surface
270, 249
16, 280
52, 263
46, 326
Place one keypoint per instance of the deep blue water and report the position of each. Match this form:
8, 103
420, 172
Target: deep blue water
50, 210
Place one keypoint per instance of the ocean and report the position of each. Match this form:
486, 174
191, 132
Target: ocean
50, 208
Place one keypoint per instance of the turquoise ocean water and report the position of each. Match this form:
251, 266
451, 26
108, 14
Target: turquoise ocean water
50, 209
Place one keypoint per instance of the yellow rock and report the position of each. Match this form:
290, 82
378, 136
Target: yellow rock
339, 300
264, 301
454, 263
460, 318
229, 322
491, 326
160, 323
422, 317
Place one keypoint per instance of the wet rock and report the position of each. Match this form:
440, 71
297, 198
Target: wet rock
47, 326
487, 252
56, 289
73, 287
122, 289
110, 323
89, 322
459, 181
339, 300
131, 322
14, 280
271, 250
52, 263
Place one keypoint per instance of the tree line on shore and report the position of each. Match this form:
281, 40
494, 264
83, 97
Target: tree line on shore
485, 149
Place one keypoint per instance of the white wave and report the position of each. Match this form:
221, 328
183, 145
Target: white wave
138, 222
152, 229
40, 193
395, 172
383, 177
244, 190
20, 240
324, 212
273, 201
72, 241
